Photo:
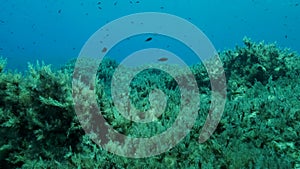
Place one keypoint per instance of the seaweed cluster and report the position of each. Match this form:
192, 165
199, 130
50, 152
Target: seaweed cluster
259, 127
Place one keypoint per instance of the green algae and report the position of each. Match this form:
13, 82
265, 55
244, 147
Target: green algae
259, 127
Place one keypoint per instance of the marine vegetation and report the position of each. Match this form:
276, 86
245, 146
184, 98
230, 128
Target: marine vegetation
259, 127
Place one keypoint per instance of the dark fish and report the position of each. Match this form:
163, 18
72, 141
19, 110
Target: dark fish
1, 21
137, 2
99, 7
104, 50
162, 59
285, 36
148, 39
297, 4
99, 3
59, 11
115, 3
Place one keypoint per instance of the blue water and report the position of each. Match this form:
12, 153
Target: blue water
55, 31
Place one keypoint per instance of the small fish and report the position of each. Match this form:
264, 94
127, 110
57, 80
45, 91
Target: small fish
104, 50
148, 39
99, 3
286, 36
59, 11
137, 2
115, 3
163, 59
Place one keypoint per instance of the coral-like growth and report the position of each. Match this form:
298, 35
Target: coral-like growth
259, 128
36, 116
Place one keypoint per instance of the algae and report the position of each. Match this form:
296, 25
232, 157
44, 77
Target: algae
259, 127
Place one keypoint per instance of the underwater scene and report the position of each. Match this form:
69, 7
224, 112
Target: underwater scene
150, 84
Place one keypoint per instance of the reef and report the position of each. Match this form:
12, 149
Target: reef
259, 127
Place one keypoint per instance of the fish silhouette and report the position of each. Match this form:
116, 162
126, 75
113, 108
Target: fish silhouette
163, 59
